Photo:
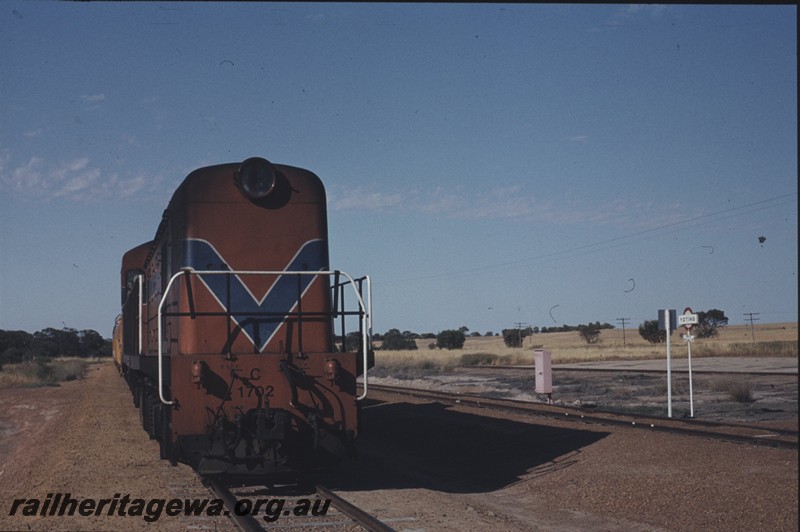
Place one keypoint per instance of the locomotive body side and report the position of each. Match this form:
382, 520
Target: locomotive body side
129, 333
241, 318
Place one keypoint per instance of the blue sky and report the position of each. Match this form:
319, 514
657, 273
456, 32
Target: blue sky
486, 164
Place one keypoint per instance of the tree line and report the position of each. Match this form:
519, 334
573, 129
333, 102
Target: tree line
394, 340
708, 326
18, 346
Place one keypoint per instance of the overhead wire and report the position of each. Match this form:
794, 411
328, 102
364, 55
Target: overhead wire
653, 232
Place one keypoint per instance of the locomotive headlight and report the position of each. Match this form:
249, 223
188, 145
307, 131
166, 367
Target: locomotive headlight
256, 178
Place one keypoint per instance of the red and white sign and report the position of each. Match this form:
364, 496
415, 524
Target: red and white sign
688, 319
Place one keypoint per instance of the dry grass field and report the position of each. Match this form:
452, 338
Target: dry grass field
42, 372
776, 339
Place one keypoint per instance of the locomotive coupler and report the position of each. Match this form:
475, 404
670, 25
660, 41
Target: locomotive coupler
270, 425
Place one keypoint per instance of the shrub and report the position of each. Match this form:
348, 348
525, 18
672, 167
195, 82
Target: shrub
478, 359
40, 372
395, 341
43, 370
514, 337
68, 370
450, 339
650, 332
741, 392
12, 355
589, 333
709, 323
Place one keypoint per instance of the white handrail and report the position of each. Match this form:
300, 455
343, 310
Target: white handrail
366, 338
160, 342
140, 280
366, 312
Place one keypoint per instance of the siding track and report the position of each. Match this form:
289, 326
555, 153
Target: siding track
738, 433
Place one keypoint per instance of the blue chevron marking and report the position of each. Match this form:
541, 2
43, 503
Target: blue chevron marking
281, 297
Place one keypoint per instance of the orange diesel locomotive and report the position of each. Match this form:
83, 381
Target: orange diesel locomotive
227, 336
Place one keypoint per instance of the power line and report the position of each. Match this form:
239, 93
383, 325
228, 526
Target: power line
755, 206
749, 317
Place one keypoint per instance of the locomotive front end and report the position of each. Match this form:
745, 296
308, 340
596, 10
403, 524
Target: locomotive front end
240, 307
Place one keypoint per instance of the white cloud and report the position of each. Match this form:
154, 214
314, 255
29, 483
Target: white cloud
93, 98
504, 203
627, 13
441, 201
77, 164
93, 101
74, 180
360, 199
79, 184
129, 187
26, 177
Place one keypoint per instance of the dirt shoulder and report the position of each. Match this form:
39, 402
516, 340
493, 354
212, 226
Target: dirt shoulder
456, 467
84, 438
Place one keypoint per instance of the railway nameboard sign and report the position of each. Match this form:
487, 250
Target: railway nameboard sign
688, 319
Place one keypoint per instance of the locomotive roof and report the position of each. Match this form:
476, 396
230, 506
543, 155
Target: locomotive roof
216, 184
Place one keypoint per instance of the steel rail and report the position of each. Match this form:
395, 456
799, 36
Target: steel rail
582, 410
646, 371
658, 424
246, 523
355, 513
578, 410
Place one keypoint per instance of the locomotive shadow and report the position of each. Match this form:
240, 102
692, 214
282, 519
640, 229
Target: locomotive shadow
430, 445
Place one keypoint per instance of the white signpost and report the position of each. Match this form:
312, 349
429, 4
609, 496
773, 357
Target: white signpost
688, 319
666, 322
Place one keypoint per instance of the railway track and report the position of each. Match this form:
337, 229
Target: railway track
738, 433
645, 371
254, 509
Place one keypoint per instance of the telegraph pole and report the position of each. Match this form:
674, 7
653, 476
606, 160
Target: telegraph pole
623, 321
519, 331
749, 317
